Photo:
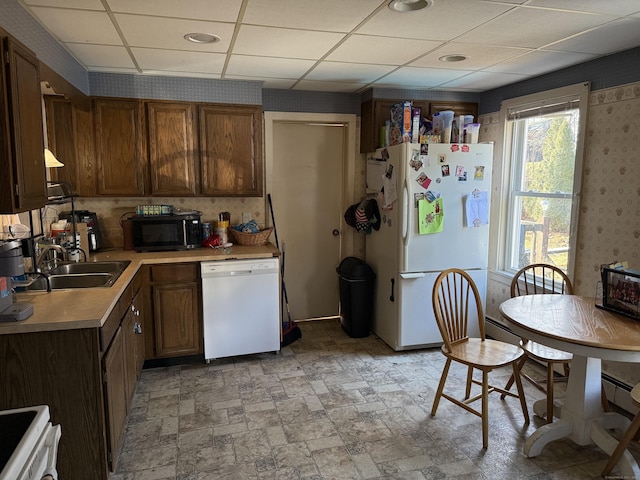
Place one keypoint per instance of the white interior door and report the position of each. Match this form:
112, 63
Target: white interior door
310, 190
306, 189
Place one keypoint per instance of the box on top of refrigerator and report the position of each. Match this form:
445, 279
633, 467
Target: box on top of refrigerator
401, 123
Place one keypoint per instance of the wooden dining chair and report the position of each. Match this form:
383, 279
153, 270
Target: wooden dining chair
541, 278
632, 432
456, 303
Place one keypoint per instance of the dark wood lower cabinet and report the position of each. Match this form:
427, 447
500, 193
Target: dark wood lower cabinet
61, 369
176, 312
87, 377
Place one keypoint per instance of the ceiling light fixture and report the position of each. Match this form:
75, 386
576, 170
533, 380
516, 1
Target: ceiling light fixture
202, 38
409, 5
453, 58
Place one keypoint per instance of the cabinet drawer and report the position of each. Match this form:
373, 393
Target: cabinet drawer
175, 273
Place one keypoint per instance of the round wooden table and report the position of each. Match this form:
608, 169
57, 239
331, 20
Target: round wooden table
574, 324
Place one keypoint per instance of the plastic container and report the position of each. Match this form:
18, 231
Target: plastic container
357, 283
442, 125
471, 132
221, 228
206, 230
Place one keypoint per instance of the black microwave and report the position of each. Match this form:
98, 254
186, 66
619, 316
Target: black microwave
166, 232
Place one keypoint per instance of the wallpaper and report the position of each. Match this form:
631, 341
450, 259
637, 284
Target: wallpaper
609, 225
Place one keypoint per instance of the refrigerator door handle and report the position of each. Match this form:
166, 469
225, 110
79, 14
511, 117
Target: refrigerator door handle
405, 212
413, 275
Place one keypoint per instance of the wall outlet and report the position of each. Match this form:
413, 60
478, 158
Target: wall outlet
246, 216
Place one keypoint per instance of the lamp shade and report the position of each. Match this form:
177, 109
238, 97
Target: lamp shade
50, 160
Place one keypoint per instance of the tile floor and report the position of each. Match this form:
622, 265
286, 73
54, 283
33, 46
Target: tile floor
330, 407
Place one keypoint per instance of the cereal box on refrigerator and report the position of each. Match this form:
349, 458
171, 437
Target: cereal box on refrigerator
401, 123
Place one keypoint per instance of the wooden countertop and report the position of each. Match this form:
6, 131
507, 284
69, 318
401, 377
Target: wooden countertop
90, 307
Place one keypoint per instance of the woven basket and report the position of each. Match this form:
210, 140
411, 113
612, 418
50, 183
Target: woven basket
252, 239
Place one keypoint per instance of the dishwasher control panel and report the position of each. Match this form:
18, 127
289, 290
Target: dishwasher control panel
238, 267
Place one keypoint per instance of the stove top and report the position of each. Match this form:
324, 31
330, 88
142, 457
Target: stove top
28, 444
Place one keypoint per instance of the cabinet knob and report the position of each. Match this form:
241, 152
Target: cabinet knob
137, 328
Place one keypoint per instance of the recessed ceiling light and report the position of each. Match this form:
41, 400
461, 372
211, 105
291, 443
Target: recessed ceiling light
453, 58
202, 38
409, 5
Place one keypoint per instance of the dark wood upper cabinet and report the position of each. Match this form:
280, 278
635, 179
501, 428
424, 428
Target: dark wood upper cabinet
459, 108
231, 150
173, 155
120, 143
61, 137
375, 112
22, 170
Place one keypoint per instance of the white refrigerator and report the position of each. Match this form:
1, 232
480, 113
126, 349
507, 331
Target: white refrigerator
434, 211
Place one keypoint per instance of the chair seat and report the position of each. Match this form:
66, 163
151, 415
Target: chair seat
544, 353
490, 353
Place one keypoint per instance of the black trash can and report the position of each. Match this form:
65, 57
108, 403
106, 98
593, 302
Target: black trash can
357, 282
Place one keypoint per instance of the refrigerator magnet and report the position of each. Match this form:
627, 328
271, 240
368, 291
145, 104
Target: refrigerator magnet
416, 161
445, 170
423, 180
479, 173
442, 158
465, 148
417, 197
460, 171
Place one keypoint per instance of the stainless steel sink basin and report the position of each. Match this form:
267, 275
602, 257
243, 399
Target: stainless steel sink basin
90, 267
81, 275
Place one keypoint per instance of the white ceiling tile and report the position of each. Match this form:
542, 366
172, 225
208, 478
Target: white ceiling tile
217, 10
81, 4
348, 72
79, 26
611, 7
196, 62
539, 62
318, 86
532, 27
101, 55
421, 77
482, 81
384, 50
612, 37
445, 20
248, 65
478, 56
160, 32
284, 42
327, 15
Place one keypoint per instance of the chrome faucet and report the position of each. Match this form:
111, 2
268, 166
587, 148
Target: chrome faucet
44, 253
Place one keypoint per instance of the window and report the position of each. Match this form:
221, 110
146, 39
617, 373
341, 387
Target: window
543, 146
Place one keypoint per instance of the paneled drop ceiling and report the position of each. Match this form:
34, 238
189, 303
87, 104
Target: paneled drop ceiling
341, 45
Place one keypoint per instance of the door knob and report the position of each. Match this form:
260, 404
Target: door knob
336, 232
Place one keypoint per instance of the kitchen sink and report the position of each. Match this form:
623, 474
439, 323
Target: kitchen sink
81, 275
90, 267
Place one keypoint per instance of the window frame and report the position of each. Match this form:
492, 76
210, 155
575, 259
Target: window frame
511, 173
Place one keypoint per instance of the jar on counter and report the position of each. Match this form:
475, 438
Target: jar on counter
220, 228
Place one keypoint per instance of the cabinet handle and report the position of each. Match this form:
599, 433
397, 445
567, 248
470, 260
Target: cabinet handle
137, 328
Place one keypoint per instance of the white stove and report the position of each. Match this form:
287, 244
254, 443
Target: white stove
28, 444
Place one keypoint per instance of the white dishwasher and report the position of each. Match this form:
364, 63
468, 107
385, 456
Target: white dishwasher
241, 307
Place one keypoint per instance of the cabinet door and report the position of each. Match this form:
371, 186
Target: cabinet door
120, 147
459, 108
24, 184
115, 391
231, 150
61, 137
177, 319
173, 152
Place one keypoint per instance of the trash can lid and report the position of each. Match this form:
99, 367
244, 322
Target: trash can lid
353, 268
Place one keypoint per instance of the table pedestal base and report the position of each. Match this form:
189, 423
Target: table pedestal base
582, 418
